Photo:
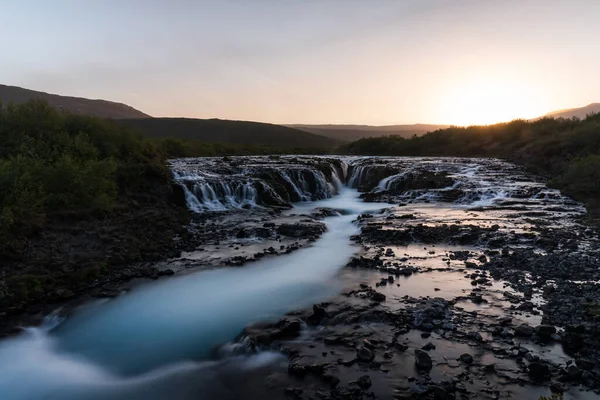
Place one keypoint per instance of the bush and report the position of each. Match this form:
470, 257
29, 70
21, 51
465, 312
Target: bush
53, 163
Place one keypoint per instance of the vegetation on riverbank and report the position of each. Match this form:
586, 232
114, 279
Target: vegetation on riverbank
566, 151
79, 195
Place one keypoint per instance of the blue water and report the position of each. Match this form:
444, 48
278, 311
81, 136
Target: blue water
146, 344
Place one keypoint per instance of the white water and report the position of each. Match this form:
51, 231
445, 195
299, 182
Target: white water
146, 344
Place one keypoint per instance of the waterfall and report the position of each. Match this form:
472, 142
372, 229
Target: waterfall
209, 186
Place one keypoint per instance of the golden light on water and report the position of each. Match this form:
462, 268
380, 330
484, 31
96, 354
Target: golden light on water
489, 101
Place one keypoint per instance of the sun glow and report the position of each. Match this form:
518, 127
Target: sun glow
487, 101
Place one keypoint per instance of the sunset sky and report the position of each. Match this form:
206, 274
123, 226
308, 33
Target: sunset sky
311, 61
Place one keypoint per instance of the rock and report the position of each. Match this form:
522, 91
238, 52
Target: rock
545, 331
524, 330
364, 354
574, 373
538, 371
317, 316
585, 364
475, 336
428, 346
422, 360
377, 296
504, 321
466, 358
557, 387
364, 382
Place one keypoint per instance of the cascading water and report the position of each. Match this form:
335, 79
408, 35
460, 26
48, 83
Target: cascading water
210, 188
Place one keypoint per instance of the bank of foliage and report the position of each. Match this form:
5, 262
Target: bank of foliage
53, 164
567, 151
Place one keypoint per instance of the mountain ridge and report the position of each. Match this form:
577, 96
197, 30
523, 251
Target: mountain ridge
77, 105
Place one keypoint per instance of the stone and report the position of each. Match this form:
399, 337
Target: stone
364, 382
524, 330
545, 331
422, 360
364, 354
538, 371
585, 364
466, 358
428, 346
574, 373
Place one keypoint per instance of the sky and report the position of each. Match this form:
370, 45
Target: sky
310, 61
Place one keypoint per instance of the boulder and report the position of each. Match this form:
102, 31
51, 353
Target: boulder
523, 330
422, 360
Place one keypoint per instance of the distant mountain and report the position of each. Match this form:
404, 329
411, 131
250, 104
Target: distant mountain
580, 112
78, 105
355, 132
226, 131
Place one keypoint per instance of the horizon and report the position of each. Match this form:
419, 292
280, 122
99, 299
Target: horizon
316, 63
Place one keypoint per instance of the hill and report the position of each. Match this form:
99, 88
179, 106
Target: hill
77, 105
580, 112
355, 132
226, 131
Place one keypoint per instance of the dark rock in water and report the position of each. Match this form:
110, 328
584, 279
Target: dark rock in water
574, 373
301, 230
545, 331
538, 371
377, 296
557, 387
401, 347
364, 382
475, 336
585, 364
466, 358
364, 354
524, 330
428, 346
572, 341
422, 360
317, 316
504, 320
265, 334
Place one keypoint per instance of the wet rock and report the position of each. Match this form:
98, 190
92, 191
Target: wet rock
317, 316
574, 373
364, 382
557, 387
523, 330
545, 331
538, 371
428, 346
265, 334
422, 360
466, 358
377, 296
476, 336
364, 354
585, 364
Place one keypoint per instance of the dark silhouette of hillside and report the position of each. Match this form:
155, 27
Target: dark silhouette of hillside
77, 105
355, 132
226, 131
